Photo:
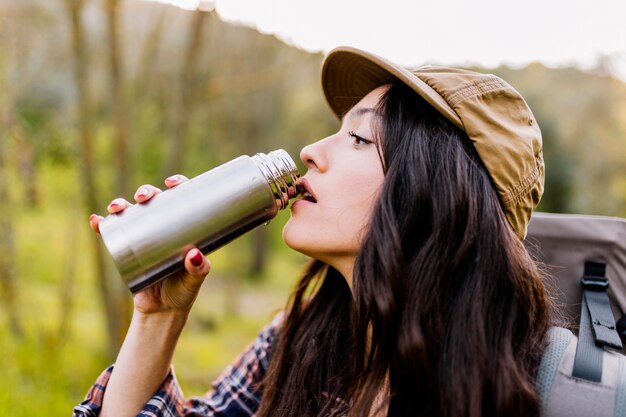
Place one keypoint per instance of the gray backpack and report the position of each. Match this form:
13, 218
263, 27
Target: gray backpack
585, 259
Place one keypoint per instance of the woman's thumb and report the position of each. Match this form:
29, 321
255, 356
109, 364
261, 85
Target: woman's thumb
196, 264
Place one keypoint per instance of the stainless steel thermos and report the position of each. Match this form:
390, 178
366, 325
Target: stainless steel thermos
148, 241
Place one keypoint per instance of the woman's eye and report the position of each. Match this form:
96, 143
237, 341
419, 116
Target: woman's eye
358, 140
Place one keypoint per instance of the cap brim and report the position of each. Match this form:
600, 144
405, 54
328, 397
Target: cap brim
349, 74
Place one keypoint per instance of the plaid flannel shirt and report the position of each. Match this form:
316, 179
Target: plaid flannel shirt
234, 394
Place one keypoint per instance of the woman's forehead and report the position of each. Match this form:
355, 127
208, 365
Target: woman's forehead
368, 104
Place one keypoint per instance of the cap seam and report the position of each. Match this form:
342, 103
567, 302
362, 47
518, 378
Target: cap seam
523, 186
476, 88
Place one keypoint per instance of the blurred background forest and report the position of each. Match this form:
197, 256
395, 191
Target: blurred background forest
99, 97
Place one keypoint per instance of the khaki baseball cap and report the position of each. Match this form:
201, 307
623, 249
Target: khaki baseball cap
491, 112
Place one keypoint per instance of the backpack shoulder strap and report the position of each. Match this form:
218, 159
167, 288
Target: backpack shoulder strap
558, 340
597, 325
563, 395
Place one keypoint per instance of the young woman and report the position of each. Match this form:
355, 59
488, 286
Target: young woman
425, 302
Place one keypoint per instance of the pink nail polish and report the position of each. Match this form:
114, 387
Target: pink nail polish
142, 192
172, 178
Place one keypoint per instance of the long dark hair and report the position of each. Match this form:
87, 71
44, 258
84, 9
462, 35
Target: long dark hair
447, 315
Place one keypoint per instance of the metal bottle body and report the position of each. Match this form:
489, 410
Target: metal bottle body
148, 241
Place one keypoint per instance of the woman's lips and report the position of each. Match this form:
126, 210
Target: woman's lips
307, 192
307, 196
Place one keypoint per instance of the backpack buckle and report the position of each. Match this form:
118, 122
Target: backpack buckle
594, 278
594, 283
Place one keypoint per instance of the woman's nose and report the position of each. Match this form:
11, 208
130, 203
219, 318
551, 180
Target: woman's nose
313, 155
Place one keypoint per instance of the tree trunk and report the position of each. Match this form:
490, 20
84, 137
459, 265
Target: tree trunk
118, 99
259, 252
113, 318
150, 49
7, 245
27, 168
183, 109
120, 111
66, 290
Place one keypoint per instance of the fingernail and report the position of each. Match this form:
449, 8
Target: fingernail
142, 192
197, 259
92, 216
172, 178
115, 203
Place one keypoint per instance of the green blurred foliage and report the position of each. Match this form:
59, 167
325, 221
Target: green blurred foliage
251, 93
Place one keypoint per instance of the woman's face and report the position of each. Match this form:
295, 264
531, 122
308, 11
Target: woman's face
343, 180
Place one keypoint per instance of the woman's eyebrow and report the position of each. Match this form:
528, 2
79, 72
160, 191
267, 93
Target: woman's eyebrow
358, 112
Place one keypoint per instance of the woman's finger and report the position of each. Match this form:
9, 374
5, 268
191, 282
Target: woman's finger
94, 221
146, 192
174, 180
118, 205
197, 264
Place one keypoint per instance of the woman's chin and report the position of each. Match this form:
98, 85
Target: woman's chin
305, 241
296, 240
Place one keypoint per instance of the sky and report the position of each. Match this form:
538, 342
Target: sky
450, 32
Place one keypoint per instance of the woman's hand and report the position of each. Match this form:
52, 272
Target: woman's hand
176, 293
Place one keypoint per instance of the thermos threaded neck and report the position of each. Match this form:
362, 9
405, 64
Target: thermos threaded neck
281, 174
